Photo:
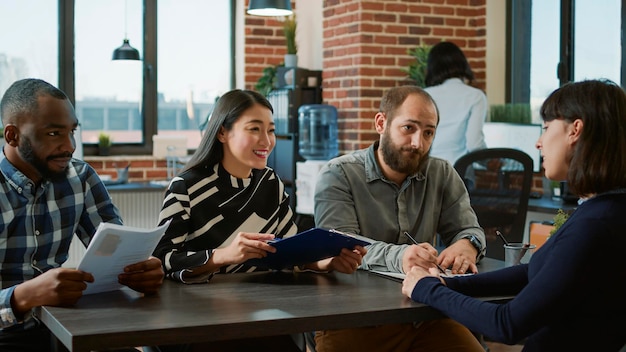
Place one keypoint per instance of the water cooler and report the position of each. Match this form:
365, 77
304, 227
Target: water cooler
317, 143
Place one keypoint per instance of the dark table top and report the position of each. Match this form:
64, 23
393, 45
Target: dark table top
546, 204
236, 306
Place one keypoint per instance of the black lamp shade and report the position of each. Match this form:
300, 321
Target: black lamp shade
270, 7
126, 52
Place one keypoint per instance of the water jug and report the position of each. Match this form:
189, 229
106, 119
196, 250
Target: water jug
318, 132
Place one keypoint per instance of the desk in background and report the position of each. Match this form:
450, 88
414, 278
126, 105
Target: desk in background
236, 306
548, 205
544, 209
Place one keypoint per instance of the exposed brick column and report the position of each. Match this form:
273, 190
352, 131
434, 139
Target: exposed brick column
264, 45
365, 50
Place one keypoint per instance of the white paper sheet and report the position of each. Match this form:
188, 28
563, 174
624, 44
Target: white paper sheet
401, 276
112, 248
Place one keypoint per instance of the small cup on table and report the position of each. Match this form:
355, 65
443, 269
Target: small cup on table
518, 253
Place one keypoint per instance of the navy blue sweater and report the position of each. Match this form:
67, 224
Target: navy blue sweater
571, 296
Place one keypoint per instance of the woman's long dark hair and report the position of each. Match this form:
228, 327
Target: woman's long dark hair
227, 111
446, 60
598, 162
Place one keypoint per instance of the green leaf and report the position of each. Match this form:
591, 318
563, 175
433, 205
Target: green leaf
417, 69
559, 219
289, 29
266, 83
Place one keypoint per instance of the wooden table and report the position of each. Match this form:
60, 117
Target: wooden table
236, 306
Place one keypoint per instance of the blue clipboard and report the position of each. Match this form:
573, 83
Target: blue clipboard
307, 247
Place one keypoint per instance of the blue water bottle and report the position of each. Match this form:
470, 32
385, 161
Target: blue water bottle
318, 138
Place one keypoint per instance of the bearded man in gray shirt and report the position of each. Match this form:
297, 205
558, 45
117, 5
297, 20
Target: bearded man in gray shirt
391, 188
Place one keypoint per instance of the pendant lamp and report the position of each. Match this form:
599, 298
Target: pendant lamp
270, 8
125, 52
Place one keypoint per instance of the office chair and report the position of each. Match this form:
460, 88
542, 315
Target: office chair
498, 181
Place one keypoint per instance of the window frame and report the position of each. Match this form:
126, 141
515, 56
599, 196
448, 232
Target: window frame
150, 72
518, 47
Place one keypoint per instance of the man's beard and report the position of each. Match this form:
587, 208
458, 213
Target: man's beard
405, 160
26, 150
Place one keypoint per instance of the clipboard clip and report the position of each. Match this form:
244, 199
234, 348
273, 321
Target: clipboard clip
342, 233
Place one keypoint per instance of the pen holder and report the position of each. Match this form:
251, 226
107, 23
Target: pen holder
518, 253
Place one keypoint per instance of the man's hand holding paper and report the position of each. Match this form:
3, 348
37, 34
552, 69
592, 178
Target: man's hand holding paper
117, 255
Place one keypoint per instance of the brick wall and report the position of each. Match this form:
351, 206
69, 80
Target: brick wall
365, 49
264, 45
141, 169
148, 168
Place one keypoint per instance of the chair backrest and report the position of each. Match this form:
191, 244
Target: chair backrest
498, 181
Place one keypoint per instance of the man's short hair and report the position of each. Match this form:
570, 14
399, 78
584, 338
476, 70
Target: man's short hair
21, 98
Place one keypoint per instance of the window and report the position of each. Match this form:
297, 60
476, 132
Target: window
25, 50
194, 64
597, 40
544, 58
570, 40
187, 51
113, 87
186, 65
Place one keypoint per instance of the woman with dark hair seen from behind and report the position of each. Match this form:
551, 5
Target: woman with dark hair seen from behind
570, 296
462, 108
226, 204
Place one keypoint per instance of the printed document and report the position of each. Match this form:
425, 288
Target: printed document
400, 276
112, 248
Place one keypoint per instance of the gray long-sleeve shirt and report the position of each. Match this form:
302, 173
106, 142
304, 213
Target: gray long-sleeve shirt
353, 196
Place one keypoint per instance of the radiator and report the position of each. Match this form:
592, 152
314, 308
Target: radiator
138, 209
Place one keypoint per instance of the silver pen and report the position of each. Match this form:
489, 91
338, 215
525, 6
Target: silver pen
417, 243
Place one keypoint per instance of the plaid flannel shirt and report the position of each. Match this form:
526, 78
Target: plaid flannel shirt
37, 224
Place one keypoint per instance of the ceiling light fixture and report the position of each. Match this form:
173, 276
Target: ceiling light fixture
270, 8
126, 52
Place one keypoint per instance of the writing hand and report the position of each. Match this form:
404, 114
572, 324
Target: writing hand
423, 255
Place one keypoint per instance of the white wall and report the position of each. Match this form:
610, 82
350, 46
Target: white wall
309, 34
240, 82
496, 51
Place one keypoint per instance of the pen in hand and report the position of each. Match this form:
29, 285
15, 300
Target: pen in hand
417, 243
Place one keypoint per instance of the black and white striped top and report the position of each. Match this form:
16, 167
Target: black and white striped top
208, 207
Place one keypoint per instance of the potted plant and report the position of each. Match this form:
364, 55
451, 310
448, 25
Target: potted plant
559, 219
511, 112
417, 69
289, 29
104, 144
267, 81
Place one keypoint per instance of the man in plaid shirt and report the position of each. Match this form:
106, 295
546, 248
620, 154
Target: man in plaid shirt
45, 198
